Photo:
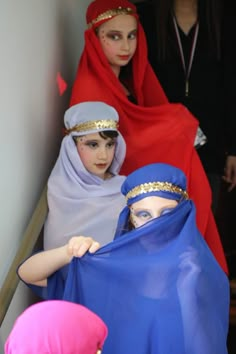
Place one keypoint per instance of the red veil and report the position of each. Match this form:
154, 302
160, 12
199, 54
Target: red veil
154, 129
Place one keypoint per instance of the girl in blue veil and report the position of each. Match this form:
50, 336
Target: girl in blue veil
157, 286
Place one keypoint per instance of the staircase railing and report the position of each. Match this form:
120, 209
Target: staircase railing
27, 245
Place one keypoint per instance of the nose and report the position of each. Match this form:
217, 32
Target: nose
125, 44
156, 214
102, 153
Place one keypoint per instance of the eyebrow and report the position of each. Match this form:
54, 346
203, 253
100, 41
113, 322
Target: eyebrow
150, 210
99, 139
141, 209
119, 31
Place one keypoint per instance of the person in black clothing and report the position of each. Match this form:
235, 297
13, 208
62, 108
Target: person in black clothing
192, 54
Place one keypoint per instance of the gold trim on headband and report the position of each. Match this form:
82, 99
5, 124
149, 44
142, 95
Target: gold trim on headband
94, 125
111, 13
156, 187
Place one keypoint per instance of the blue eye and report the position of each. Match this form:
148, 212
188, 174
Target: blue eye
143, 214
166, 211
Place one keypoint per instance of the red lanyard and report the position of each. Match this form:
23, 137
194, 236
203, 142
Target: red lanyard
187, 70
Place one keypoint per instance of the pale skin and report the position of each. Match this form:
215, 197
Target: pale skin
118, 38
150, 208
96, 153
36, 269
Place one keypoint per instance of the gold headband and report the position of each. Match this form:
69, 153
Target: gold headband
94, 125
155, 187
111, 13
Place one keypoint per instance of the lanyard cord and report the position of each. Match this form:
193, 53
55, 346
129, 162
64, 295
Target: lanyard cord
187, 70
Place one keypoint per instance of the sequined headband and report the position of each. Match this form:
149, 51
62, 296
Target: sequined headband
111, 13
156, 187
94, 125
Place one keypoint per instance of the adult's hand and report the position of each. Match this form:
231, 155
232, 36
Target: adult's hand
230, 172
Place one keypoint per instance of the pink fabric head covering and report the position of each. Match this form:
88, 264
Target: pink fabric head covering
56, 327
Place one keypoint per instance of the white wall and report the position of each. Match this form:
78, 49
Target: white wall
38, 39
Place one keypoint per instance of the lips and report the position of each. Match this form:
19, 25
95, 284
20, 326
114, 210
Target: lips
124, 57
101, 165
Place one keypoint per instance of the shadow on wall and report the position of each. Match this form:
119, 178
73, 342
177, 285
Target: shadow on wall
71, 26
39, 39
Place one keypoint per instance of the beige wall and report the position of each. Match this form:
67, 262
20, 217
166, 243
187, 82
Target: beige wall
38, 39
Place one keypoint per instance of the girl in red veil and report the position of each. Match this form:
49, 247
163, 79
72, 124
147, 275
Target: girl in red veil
154, 129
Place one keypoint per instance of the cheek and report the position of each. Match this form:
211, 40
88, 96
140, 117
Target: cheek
84, 154
108, 47
104, 40
112, 153
134, 46
139, 223
80, 148
135, 221
109, 51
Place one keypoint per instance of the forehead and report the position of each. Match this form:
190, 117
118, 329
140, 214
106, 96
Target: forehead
120, 23
153, 202
92, 136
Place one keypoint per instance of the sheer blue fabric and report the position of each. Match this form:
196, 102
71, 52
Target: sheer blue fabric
158, 288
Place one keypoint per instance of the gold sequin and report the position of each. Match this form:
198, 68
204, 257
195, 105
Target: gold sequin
111, 13
94, 125
156, 187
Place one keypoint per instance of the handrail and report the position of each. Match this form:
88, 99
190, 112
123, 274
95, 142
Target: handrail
29, 240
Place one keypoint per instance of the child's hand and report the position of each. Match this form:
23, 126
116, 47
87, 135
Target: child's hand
79, 245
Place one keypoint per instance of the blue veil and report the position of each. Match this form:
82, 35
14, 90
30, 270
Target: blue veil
158, 288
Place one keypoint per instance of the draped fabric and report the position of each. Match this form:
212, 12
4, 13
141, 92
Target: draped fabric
79, 202
158, 288
56, 327
154, 129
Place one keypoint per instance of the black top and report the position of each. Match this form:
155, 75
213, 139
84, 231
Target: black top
211, 92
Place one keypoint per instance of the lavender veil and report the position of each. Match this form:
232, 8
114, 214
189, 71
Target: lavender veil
79, 202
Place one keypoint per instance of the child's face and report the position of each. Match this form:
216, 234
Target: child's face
150, 208
96, 153
118, 38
